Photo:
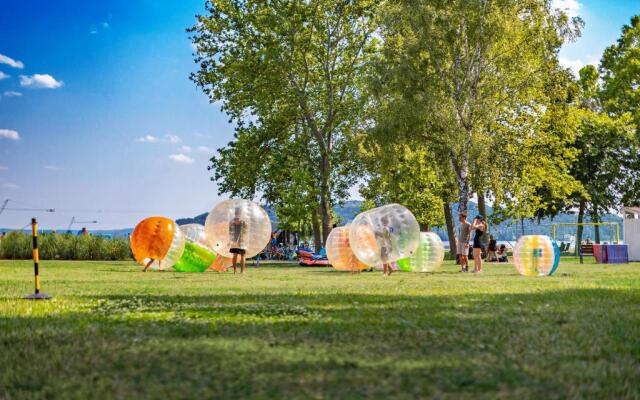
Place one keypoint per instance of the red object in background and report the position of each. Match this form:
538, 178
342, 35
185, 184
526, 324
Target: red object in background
600, 253
304, 254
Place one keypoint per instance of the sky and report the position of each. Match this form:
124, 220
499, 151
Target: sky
99, 121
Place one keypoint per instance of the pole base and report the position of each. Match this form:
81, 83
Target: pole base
37, 296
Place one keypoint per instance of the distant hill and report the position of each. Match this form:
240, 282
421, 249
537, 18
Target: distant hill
506, 231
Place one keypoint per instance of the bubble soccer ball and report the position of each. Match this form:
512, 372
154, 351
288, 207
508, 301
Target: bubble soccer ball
384, 234
428, 256
197, 256
339, 251
157, 239
534, 255
221, 264
238, 224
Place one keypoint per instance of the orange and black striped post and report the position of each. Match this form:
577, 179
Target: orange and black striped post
36, 260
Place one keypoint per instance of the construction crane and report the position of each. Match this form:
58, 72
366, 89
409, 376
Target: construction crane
6, 202
74, 221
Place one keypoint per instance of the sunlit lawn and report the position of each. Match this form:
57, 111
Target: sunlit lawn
282, 332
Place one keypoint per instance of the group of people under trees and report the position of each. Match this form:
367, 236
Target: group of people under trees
479, 228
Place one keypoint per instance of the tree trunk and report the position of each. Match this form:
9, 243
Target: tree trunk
595, 217
463, 188
451, 228
482, 206
461, 173
583, 205
522, 226
325, 201
317, 234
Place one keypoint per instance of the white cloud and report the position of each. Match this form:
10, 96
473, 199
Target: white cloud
575, 65
105, 24
93, 31
53, 168
3, 75
173, 139
9, 134
181, 158
3, 168
9, 186
11, 93
10, 61
185, 149
570, 7
40, 81
147, 139
204, 149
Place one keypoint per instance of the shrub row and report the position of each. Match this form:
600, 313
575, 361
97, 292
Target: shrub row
54, 246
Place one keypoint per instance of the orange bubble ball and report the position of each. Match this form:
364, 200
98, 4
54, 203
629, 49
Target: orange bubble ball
339, 251
221, 264
157, 238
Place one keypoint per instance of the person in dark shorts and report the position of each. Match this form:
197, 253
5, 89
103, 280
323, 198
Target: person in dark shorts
492, 247
480, 227
502, 254
383, 238
237, 233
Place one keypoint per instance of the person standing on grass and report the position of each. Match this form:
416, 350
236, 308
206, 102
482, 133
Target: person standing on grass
480, 228
383, 238
464, 233
237, 232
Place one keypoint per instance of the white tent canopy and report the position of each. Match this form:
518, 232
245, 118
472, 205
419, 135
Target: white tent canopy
631, 212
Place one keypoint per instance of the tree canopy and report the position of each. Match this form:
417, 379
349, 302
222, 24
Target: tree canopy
421, 102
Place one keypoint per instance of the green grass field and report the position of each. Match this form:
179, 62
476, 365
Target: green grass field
289, 332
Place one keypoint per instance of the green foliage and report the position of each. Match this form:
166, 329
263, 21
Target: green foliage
405, 175
620, 73
471, 80
53, 246
290, 75
608, 162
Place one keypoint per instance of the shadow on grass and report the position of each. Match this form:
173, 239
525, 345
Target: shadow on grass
543, 345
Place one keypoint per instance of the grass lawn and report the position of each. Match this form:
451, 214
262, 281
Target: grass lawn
290, 332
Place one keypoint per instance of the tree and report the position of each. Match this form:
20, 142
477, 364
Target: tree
467, 77
534, 181
608, 165
404, 174
620, 73
287, 66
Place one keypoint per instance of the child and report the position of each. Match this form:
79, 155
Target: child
464, 234
237, 232
383, 237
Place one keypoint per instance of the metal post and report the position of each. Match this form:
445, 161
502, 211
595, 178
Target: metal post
36, 260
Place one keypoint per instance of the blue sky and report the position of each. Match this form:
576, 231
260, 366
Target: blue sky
99, 120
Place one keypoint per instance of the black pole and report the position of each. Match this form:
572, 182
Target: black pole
36, 260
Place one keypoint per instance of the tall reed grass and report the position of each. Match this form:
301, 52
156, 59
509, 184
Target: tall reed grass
55, 246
